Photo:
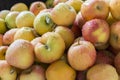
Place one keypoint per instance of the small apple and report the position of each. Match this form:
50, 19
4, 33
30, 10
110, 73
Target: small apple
25, 33
50, 48
91, 9
3, 52
25, 19
37, 6
19, 7
35, 72
3, 13
43, 23
81, 55
96, 31
20, 54
64, 32
59, 70
115, 35
11, 18
8, 36
102, 72
63, 14
7, 72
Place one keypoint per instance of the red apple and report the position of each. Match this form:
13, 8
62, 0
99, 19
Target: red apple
91, 9
81, 55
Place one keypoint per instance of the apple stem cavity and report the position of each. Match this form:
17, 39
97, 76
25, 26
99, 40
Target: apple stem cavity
98, 7
46, 46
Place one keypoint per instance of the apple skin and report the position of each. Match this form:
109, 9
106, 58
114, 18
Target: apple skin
50, 44
37, 6
91, 9
96, 31
8, 37
81, 55
43, 23
55, 2
35, 72
63, 14
64, 32
20, 54
35, 41
102, 72
3, 50
117, 62
3, 13
115, 35
1, 39
7, 72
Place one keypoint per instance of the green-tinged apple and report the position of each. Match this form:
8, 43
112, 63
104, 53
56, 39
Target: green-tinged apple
35, 41
1, 39
35, 72
8, 36
96, 31
25, 19
25, 33
43, 23
7, 72
19, 7
3, 52
76, 4
3, 27
81, 55
55, 2
115, 35
59, 70
114, 8
102, 72
104, 56
117, 62
63, 14
20, 54
37, 6
11, 18
91, 9
50, 48
64, 32
3, 13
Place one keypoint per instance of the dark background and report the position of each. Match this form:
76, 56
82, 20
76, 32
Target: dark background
6, 4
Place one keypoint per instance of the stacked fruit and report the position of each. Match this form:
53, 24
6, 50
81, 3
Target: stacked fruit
60, 40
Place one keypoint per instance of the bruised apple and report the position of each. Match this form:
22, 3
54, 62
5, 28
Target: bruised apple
81, 55
20, 54
50, 48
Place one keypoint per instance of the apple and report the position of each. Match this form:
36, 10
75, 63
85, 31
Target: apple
49, 3
96, 31
117, 62
20, 54
104, 56
3, 13
50, 48
102, 72
114, 8
8, 36
55, 2
64, 32
81, 55
7, 72
35, 72
35, 41
25, 19
11, 18
19, 7
60, 70
63, 14
92, 9
3, 52
115, 35
37, 6
76, 4
25, 33
1, 39
3, 27
43, 23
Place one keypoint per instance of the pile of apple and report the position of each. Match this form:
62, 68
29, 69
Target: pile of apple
60, 40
